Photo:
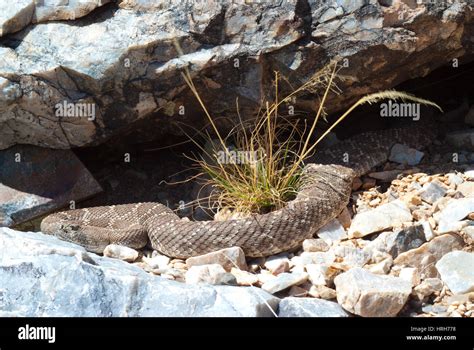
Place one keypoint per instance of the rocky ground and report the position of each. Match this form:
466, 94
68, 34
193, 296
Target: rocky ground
403, 246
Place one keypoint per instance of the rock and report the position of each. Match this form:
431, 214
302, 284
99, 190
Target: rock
332, 232
157, 262
469, 174
429, 253
461, 139
211, 274
386, 216
345, 218
368, 183
227, 258
454, 179
427, 230
265, 276
432, 191
283, 281
386, 176
398, 241
317, 274
428, 287
454, 211
309, 307
466, 189
315, 245
121, 252
297, 291
469, 118
314, 258
405, 155
369, 295
60, 180
322, 292
460, 298
381, 268
457, 271
277, 264
439, 310
451, 226
469, 231
356, 184
244, 278
410, 274
105, 287
18, 15
133, 46
352, 257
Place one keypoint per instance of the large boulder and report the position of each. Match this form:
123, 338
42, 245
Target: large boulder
79, 82
43, 276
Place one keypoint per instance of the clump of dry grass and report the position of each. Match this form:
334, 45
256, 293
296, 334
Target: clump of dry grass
274, 147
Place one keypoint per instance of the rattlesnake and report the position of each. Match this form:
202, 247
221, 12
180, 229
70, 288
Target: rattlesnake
325, 192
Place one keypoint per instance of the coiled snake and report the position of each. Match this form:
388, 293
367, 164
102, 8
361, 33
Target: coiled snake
325, 192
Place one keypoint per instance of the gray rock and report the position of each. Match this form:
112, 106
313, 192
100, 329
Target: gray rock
309, 307
457, 271
227, 258
16, 15
369, 295
132, 46
454, 179
425, 256
454, 211
43, 276
121, 252
437, 309
432, 191
333, 231
386, 216
450, 226
60, 179
469, 231
461, 139
466, 189
405, 155
399, 241
283, 281
211, 274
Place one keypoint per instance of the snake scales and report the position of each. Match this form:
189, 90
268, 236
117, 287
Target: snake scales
325, 192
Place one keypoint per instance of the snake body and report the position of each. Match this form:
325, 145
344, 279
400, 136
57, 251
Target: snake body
324, 193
